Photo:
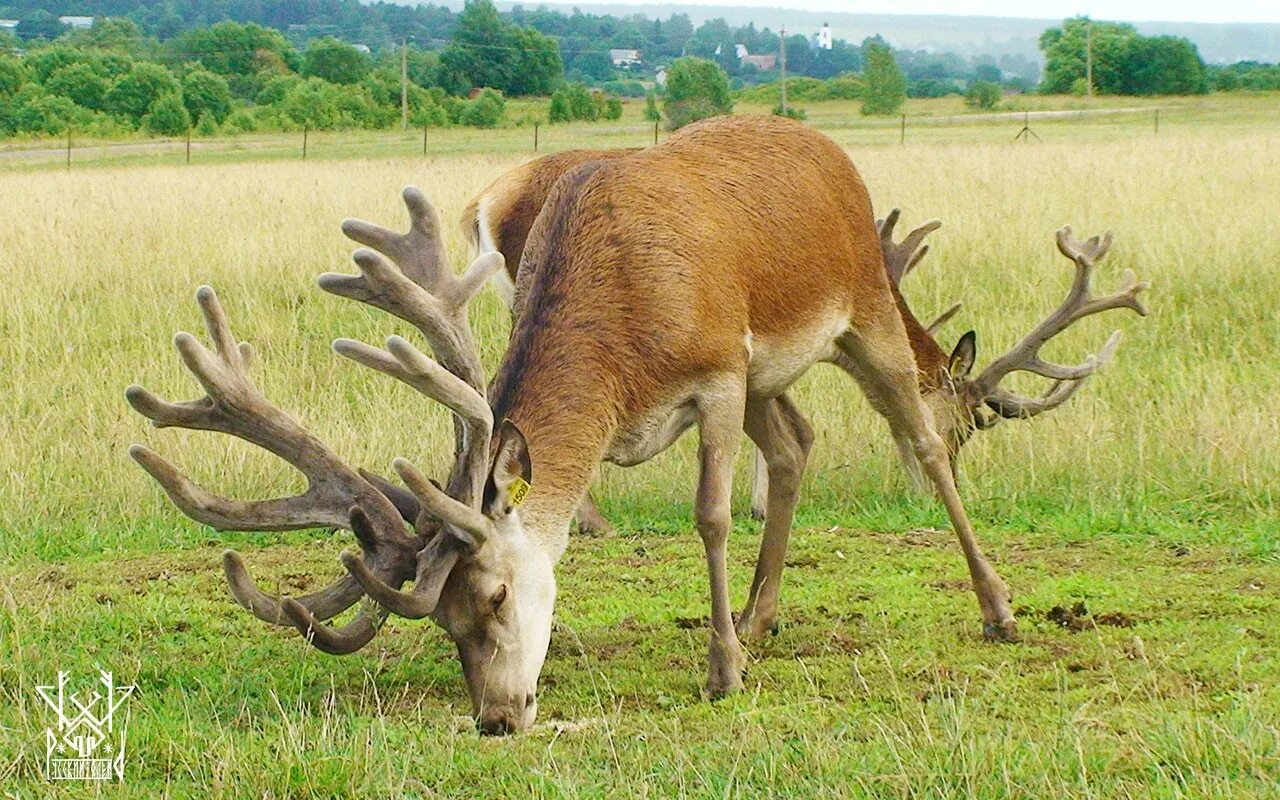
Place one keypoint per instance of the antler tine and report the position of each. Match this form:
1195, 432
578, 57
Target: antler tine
421, 289
469, 528
901, 258
234, 405
942, 319
1015, 406
1079, 303
409, 365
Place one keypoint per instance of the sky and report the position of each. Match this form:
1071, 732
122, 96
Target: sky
1128, 10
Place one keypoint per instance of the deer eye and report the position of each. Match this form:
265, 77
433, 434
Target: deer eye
499, 597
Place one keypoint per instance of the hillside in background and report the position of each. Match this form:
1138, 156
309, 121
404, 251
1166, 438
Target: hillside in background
967, 36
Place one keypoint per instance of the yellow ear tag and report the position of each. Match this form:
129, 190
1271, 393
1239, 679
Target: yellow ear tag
518, 491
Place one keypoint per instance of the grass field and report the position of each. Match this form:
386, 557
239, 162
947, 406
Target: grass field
1150, 498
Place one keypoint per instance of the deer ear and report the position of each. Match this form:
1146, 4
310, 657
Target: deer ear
511, 476
960, 363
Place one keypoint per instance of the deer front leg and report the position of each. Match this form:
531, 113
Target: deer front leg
590, 520
881, 362
783, 437
720, 426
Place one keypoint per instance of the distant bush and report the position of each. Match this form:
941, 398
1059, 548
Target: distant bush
790, 112
206, 94
696, 89
207, 125
572, 101
167, 116
842, 87
651, 111
132, 95
932, 87
485, 111
80, 83
624, 88
983, 95
240, 121
612, 109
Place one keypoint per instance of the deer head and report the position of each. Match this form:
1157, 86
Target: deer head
473, 568
962, 403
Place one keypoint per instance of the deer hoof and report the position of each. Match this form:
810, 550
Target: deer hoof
1003, 631
754, 627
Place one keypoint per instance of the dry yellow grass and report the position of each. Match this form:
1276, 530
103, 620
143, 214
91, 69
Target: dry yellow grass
101, 265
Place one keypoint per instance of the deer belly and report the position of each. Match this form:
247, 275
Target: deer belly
642, 439
776, 361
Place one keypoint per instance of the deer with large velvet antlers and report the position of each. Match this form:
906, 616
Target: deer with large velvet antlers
500, 217
689, 285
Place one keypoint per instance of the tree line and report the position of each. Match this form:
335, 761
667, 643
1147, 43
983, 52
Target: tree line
144, 71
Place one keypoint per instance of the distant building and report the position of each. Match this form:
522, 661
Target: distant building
8, 24
77, 22
624, 58
762, 63
660, 77
363, 48
740, 51
822, 39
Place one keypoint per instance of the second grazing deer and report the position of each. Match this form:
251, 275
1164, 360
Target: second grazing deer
688, 286
500, 217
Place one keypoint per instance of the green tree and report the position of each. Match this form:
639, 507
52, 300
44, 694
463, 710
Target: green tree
206, 94
12, 75
168, 116
1162, 65
696, 89
612, 109
885, 86
39, 24
45, 114
335, 61
81, 83
592, 66
572, 101
132, 95
983, 94
233, 48
475, 55
1065, 54
110, 33
485, 111
537, 65
651, 111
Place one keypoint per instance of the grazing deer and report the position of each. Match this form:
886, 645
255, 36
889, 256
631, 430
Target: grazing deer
500, 217
691, 284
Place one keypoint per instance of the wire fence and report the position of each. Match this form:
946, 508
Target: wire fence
1014, 128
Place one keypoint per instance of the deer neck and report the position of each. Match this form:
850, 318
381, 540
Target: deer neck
561, 402
930, 358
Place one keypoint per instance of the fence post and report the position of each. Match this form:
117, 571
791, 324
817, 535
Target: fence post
1157, 121
68, 147
655, 131
188, 145
424, 140
902, 137
535, 137
304, 142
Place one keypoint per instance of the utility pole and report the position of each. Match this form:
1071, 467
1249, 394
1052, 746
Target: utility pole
404, 84
1088, 61
783, 59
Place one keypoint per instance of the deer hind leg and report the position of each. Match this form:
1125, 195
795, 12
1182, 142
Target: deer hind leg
720, 429
590, 520
880, 360
760, 487
783, 437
